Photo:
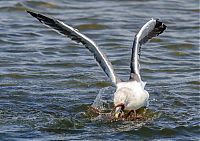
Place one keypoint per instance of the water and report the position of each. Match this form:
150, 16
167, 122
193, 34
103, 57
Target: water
48, 83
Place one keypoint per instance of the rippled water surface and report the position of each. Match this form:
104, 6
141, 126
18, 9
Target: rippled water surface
49, 84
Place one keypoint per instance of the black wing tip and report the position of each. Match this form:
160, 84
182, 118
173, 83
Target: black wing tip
42, 18
32, 13
160, 26
35, 15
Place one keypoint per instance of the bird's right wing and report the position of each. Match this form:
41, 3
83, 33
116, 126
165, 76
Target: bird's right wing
151, 29
75, 35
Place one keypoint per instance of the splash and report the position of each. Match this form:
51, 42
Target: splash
102, 110
104, 99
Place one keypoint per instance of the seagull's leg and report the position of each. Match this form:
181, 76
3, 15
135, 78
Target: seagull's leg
135, 114
129, 113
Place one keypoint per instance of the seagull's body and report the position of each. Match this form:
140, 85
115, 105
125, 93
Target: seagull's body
130, 95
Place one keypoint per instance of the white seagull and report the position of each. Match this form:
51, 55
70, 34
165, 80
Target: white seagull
130, 95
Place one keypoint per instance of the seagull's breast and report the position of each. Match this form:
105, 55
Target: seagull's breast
131, 94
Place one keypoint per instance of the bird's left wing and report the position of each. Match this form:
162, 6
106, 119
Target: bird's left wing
151, 29
75, 35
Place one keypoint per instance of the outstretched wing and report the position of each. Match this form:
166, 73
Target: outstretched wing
151, 29
75, 35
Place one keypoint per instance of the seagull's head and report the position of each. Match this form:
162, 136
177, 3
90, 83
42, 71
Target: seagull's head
119, 111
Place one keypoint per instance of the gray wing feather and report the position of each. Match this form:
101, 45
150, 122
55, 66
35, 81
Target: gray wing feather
75, 35
151, 29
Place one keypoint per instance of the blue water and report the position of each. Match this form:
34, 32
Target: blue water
48, 84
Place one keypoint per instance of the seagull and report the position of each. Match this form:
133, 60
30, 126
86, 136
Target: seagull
129, 95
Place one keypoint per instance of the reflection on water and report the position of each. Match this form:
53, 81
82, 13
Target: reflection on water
52, 89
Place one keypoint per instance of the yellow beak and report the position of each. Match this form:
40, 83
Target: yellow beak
117, 115
118, 112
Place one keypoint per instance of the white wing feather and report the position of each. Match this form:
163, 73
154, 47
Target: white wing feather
151, 29
75, 35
